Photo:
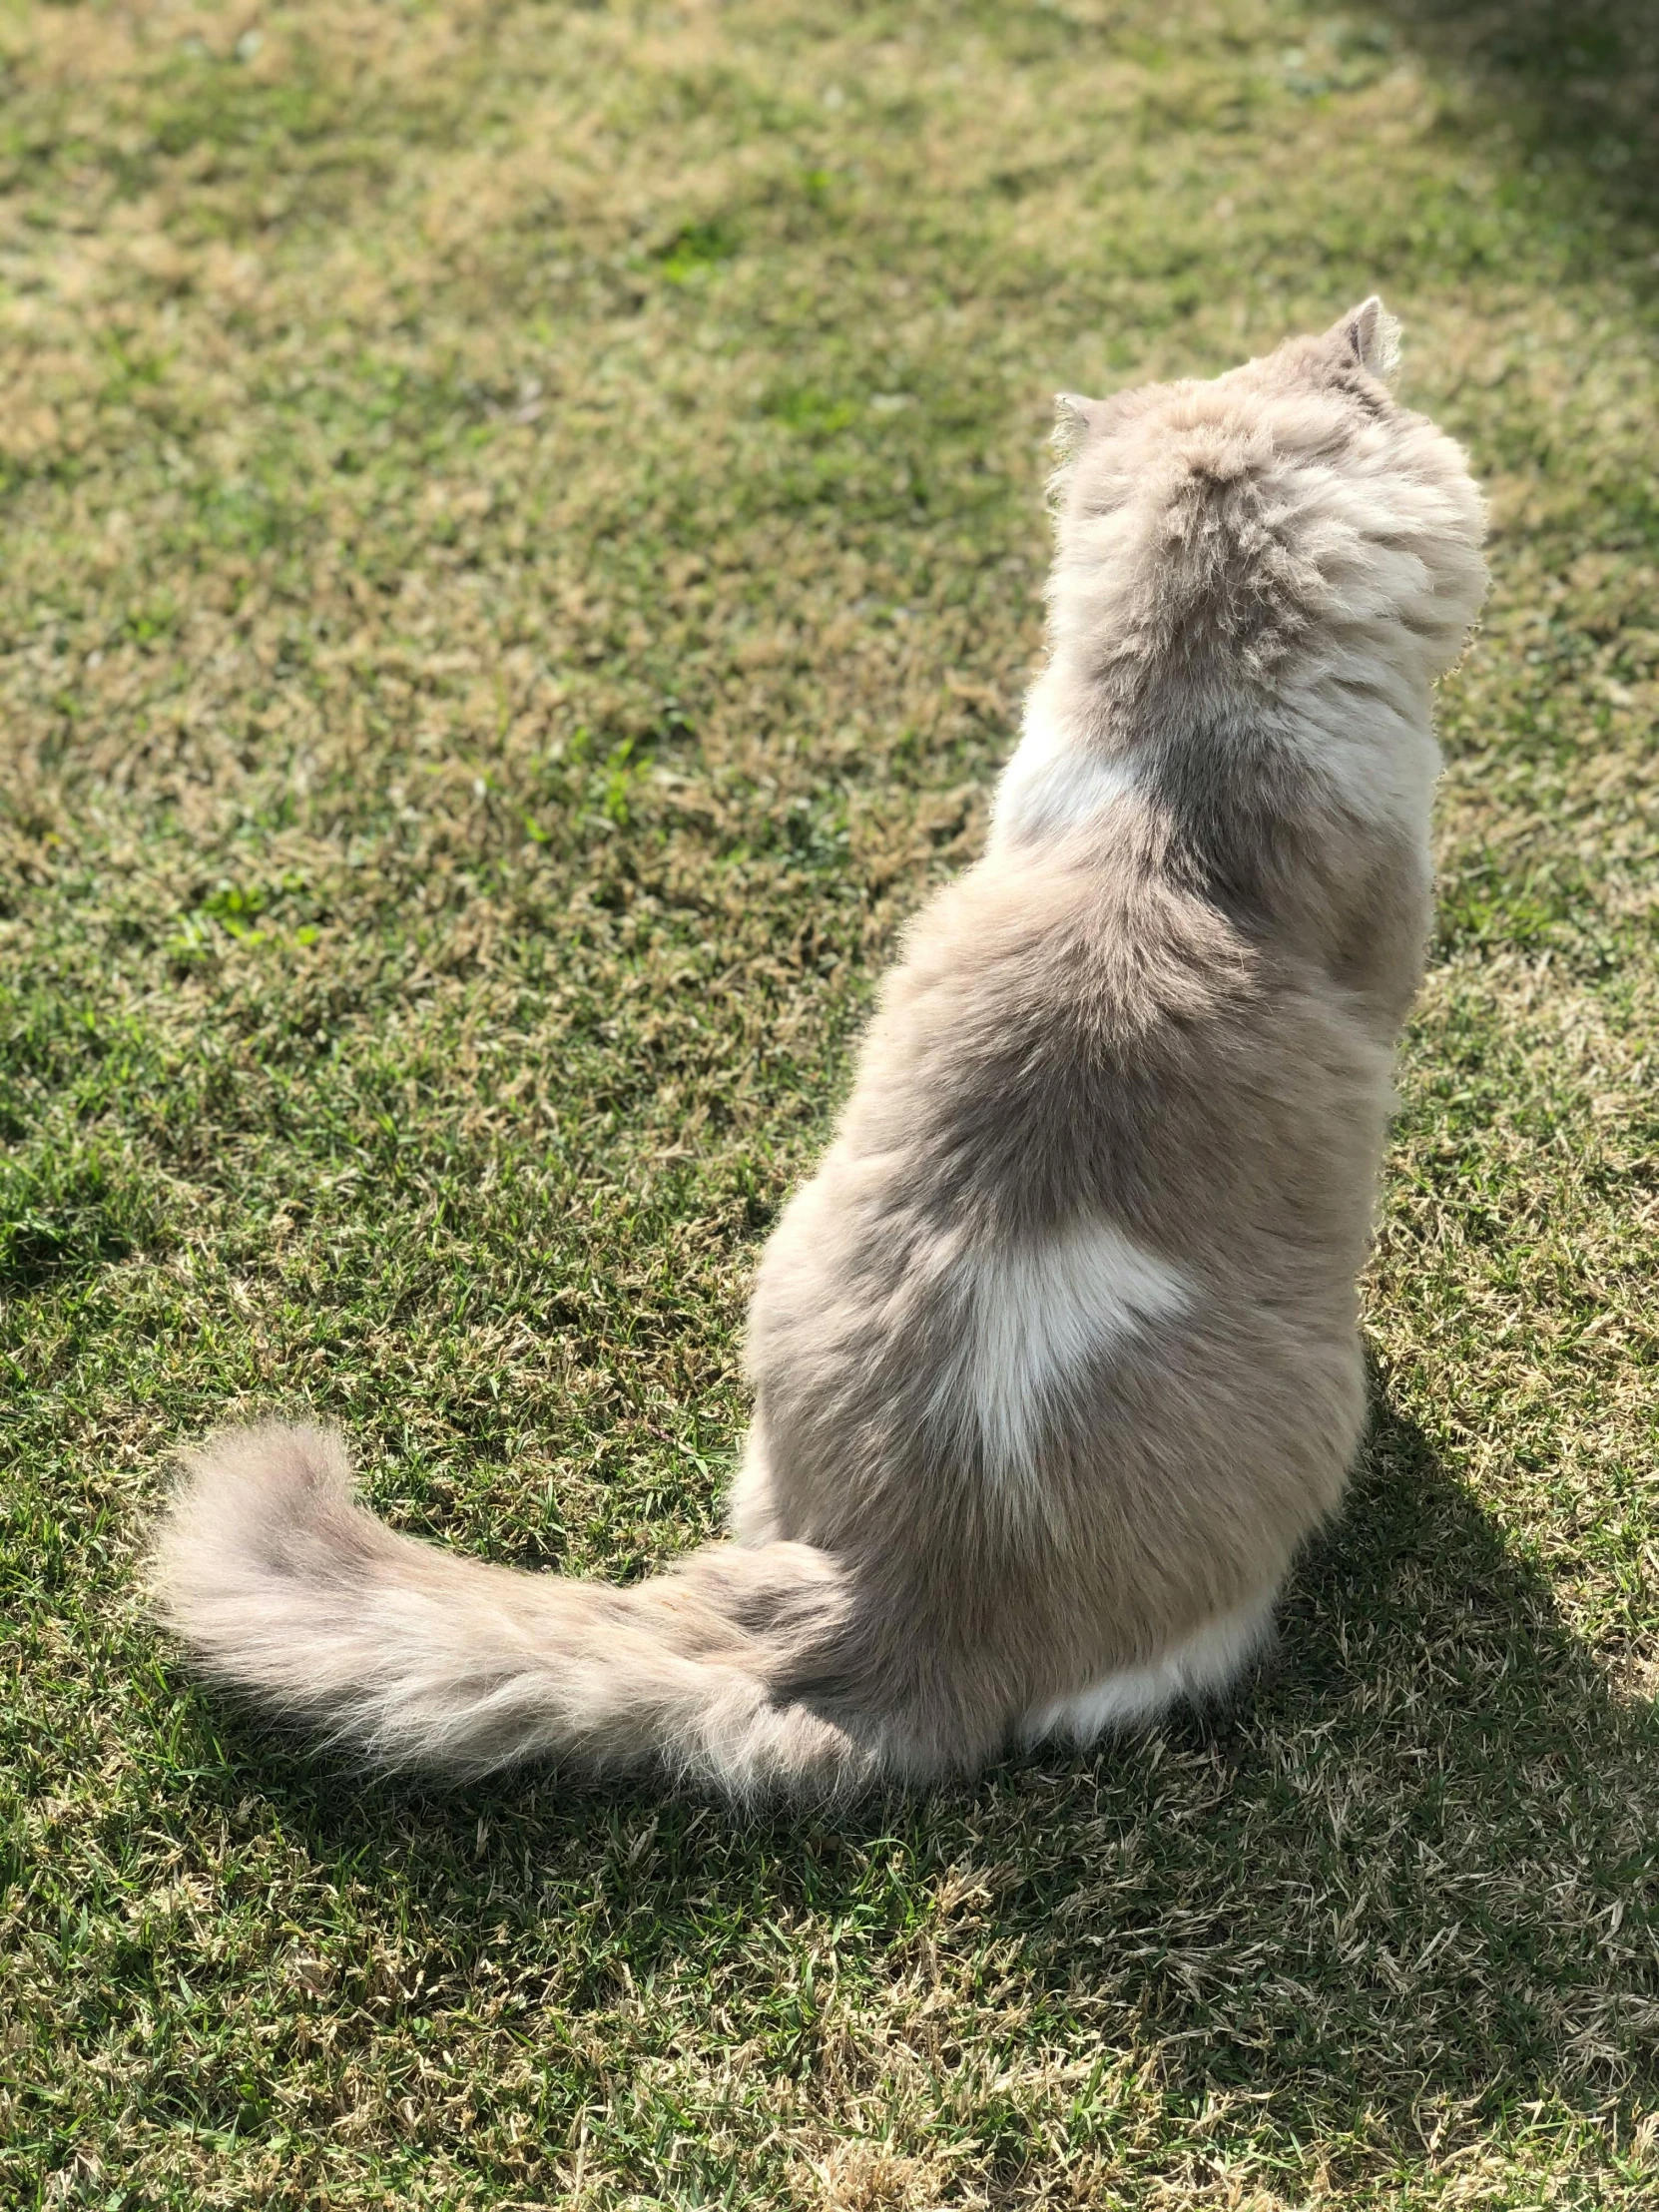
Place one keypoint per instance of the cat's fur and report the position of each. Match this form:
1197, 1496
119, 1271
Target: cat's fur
1056, 1358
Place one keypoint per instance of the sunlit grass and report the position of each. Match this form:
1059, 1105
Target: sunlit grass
523, 544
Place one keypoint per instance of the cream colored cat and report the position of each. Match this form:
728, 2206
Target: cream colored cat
1056, 1358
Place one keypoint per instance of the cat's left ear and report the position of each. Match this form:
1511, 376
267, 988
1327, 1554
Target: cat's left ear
1074, 418
1367, 338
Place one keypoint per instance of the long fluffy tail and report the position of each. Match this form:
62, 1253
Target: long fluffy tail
285, 1586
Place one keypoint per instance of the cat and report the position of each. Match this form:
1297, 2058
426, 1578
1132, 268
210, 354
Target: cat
1056, 1358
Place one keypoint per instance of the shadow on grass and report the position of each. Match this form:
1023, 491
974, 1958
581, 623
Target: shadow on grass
1576, 83
1410, 1874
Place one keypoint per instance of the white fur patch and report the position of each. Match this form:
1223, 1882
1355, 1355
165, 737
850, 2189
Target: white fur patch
1199, 1667
1053, 783
1035, 1315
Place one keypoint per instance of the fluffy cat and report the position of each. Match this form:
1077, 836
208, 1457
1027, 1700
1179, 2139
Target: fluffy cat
1056, 1358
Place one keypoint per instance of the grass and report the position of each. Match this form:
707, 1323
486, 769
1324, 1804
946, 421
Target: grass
523, 535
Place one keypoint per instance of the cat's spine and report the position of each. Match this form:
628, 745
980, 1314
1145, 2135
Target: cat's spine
409, 1655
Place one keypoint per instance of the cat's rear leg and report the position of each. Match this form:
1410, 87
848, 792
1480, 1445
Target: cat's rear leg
1196, 1670
751, 1511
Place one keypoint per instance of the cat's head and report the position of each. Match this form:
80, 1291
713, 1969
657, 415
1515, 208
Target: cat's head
1355, 361
1211, 526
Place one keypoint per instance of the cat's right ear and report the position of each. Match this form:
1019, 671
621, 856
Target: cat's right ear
1367, 336
1074, 418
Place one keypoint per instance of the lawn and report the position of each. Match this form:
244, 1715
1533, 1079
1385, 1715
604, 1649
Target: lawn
523, 540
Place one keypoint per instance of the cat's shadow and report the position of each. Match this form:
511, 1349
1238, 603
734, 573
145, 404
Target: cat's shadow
1406, 1872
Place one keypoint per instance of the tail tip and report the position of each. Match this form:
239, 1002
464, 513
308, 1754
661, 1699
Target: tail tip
272, 1500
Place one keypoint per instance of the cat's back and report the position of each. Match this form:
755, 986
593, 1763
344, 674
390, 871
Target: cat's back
1060, 1342
1084, 1032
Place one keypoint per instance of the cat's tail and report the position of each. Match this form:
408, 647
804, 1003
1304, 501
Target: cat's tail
282, 1585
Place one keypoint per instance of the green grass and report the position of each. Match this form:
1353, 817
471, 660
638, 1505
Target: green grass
522, 541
